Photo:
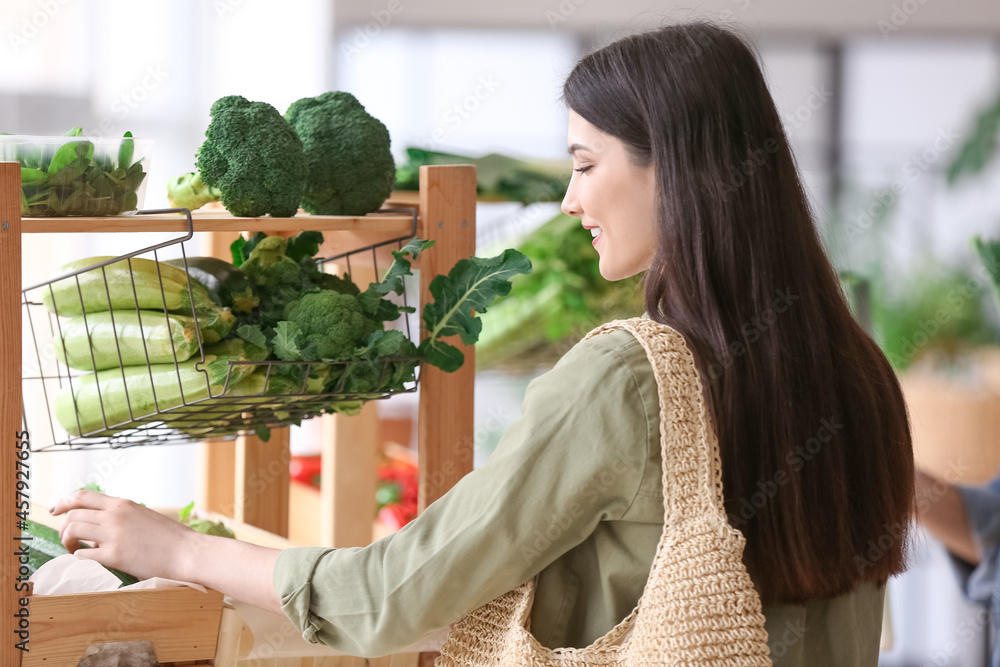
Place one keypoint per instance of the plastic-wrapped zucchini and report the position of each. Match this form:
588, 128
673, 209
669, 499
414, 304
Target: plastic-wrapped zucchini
120, 395
131, 338
111, 288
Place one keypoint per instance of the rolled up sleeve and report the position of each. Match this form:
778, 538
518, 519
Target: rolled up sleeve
569, 462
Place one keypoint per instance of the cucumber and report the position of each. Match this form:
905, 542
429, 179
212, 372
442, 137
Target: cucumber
45, 545
139, 336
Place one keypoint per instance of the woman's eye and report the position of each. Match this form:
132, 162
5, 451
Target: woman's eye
583, 170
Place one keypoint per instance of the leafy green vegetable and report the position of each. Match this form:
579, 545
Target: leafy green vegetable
204, 526
563, 298
497, 176
471, 285
76, 179
350, 169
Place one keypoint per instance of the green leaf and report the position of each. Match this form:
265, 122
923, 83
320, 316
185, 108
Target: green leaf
185, 512
372, 299
125, 151
471, 285
262, 431
303, 244
252, 243
252, 334
70, 152
989, 254
438, 353
93, 486
236, 248
286, 341
75, 132
32, 176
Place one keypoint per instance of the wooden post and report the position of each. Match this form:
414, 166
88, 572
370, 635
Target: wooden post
445, 422
10, 403
347, 478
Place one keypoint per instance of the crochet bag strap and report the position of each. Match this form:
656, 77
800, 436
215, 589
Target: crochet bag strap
699, 606
692, 466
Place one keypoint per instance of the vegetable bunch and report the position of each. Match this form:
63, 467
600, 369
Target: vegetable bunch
76, 179
132, 323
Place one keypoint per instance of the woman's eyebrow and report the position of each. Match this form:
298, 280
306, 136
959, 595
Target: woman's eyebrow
577, 147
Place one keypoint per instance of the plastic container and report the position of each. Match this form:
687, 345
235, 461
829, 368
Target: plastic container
77, 175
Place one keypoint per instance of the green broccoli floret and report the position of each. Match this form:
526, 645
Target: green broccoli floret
332, 325
351, 170
253, 157
190, 192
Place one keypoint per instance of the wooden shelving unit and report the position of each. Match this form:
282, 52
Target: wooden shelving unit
231, 473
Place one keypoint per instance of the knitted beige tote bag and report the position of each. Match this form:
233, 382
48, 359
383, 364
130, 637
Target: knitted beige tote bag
699, 606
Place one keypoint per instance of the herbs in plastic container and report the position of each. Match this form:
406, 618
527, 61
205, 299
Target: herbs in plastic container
78, 175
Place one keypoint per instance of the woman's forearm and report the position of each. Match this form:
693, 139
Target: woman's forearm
941, 509
240, 569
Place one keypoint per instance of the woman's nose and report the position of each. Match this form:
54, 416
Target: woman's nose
570, 206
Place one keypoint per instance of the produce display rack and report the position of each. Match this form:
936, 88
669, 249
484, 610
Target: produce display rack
219, 413
232, 473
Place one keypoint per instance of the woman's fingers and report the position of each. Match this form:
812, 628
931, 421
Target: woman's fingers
77, 531
83, 498
81, 516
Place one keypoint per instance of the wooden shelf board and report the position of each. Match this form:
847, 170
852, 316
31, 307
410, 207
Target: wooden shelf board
387, 225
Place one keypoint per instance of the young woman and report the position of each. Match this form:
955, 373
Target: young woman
683, 172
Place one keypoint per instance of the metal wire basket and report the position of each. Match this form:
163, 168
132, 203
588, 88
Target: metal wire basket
176, 393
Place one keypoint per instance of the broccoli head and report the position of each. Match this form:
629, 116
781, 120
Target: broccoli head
253, 157
332, 324
350, 169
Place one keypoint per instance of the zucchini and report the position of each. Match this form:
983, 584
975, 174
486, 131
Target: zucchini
64, 298
109, 393
137, 336
45, 545
226, 284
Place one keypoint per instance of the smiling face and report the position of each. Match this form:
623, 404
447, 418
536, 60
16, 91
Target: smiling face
614, 196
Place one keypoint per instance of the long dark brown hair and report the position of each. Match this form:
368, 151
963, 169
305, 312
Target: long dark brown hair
812, 427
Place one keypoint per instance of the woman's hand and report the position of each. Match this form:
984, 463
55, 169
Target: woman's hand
127, 536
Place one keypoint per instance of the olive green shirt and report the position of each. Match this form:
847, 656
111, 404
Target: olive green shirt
573, 494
